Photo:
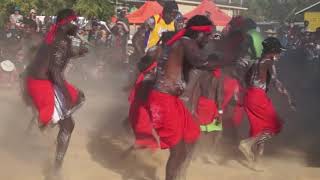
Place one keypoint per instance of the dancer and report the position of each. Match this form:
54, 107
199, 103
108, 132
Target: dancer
54, 98
172, 121
263, 119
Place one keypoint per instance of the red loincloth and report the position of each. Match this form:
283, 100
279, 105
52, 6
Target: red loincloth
261, 113
140, 121
230, 85
42, 94
171, 120
206, 111
238, 114
139, 117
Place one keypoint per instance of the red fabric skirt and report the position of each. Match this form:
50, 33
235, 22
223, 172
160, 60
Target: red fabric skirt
42, 95
230, 85
206, 111
261, 113
141, 125
171, 120
238, 114
139, 117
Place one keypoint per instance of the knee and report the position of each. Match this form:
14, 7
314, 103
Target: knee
67, 124
71, 125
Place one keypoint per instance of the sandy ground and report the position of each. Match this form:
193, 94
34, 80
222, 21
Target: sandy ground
99, 143
97, 150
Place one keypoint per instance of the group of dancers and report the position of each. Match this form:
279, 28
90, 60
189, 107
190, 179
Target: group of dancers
182, 89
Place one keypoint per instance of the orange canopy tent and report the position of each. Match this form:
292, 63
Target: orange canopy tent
208, 7
147, 10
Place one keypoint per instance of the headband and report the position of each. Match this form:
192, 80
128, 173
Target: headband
51, 35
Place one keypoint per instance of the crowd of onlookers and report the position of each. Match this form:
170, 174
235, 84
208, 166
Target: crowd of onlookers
22, 35
93, 30
297, 37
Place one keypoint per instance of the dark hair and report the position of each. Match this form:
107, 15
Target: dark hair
272, 45
250, 24
198, 20
64, 14
237, 22
170, 6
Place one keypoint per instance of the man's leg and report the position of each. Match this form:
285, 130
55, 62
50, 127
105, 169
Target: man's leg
190, 151
260, 144
63, 139
175, 163
253, 147
216, 138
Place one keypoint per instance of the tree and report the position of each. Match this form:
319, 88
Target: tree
103, 9
51, 7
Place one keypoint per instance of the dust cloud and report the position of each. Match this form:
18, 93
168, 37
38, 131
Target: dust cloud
102, 139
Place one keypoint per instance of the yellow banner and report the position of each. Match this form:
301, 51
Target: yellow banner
314, 20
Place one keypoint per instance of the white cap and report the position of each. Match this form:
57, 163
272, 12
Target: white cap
7, 66
33, 11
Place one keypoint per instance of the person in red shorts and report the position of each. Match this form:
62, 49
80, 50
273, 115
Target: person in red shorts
233, 114
219, 94
264, 121
145, 136
170, 118
54, 98
139, 118
208, 112
209, 107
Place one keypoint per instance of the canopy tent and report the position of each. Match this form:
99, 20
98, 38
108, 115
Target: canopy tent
147, 10
208, 7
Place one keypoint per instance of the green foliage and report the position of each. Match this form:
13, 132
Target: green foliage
103, 9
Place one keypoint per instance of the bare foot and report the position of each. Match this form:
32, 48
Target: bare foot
246, 148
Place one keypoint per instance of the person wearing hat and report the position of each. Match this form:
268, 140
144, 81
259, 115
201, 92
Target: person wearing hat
16, 18
33, 16
263, 119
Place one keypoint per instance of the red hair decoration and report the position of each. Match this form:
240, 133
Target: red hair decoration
51, 35
217, 72
139, 80
182, 32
